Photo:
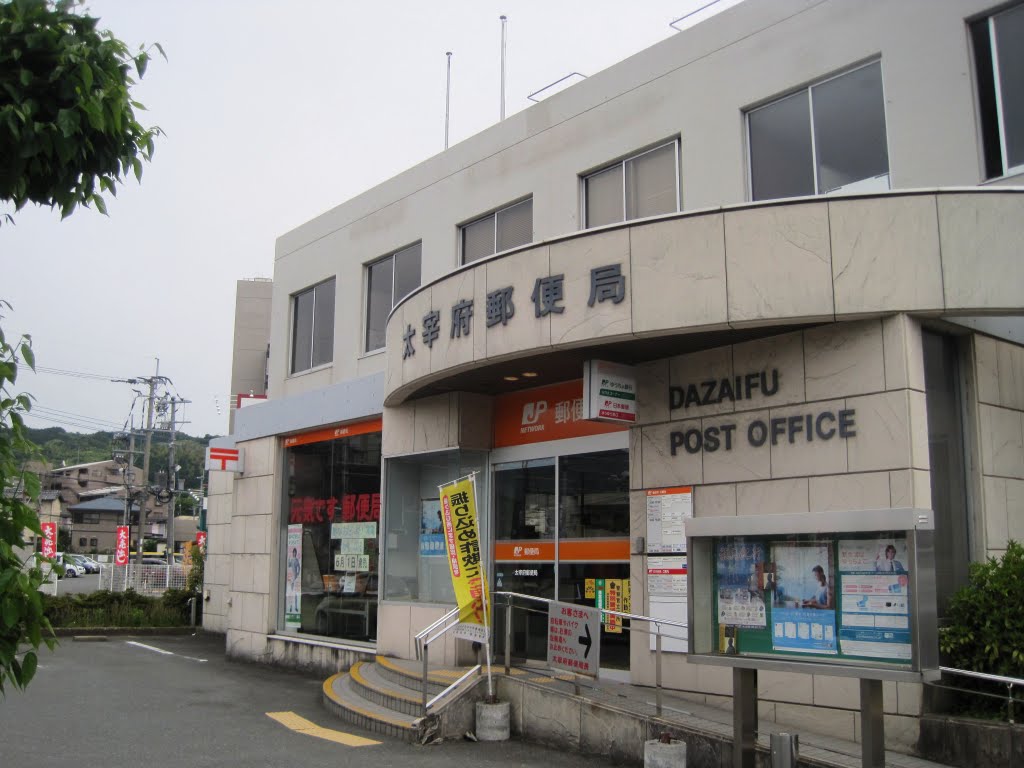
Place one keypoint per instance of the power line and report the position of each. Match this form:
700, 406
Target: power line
74, 374
55, 412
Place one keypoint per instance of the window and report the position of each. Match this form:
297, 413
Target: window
94, 542
498, 231
86, 518
388, 281
313, 327
999, 64
821, 139
81, 542
643, 185
331, 557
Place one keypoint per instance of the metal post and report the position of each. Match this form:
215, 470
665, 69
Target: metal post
426, 675
172, 479
504, 21
657, 668
872, 724
1009, 703
447, 97
508, 636
145, 473
785, 749
192, 600
744, 717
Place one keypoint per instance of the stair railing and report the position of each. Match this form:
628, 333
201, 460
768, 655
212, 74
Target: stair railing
654, 627
423, 639
1009, 682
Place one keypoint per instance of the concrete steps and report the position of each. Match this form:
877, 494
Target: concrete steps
385, 697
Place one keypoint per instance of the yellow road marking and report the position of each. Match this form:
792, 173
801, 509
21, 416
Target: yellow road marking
302, 725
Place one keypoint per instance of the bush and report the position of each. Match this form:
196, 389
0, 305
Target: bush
985, 631
117, 609
986, 621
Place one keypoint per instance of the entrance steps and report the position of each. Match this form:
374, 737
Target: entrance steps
603, 718
386, 696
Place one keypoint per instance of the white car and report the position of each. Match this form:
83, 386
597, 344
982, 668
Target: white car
71, 570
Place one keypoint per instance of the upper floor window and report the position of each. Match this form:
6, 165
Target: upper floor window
388, 281
999, 64
313, 327
828, 137
646, 184
505, 228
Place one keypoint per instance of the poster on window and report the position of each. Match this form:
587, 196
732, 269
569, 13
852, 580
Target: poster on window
431, 529
740, 596
874, 607
293, 579
803, 598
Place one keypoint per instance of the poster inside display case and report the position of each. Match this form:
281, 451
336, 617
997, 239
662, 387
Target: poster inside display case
841, 596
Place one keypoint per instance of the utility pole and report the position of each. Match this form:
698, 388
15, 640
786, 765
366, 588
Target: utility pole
172, 476
144, 505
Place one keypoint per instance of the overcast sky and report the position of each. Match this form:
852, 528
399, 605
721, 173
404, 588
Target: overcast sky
273, 112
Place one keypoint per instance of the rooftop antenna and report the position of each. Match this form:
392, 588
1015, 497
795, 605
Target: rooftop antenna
447, 97
504, 21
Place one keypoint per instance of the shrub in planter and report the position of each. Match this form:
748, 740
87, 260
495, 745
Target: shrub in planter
985, 620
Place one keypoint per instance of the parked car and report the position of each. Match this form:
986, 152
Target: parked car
93, 565
80, 562
71, 569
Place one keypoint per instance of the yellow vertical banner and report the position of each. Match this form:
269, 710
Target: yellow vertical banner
465, 561
613, 602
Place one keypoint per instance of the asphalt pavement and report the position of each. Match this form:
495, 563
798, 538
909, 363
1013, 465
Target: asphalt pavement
176, 700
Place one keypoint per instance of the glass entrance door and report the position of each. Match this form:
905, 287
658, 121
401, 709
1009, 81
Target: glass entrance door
562, 532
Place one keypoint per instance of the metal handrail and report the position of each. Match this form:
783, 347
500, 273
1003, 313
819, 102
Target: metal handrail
424, 638
559, 80
657, 623
1009, 682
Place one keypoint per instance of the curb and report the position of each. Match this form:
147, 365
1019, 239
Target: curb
97, 632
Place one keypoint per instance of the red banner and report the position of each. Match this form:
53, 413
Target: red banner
121, 552
201, 539
49, 539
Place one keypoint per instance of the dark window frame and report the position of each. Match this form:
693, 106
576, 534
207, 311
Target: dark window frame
370, 334
989, 82
307, 364
807, 91
620, 165
493, 216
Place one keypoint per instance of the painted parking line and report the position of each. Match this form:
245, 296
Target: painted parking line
302, 725
162, 652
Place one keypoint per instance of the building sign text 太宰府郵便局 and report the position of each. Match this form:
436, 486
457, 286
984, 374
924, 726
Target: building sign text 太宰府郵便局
607, 283
808, 427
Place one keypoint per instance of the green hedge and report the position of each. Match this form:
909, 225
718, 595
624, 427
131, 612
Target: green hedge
985, 628
118, 609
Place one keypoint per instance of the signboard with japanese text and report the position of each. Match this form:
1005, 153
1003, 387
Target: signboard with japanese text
49, 544
668, 509
574, 638
293, 579
201, 539
465, 558
554, 412
121, 547
550, 297
609, 392
334, 433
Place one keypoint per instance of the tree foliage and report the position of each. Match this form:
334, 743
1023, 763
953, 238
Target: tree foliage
68, 130
23, 627
985, 631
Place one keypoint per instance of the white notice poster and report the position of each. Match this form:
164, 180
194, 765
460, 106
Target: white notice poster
667, 512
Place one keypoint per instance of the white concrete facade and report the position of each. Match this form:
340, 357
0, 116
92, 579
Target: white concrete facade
836, 293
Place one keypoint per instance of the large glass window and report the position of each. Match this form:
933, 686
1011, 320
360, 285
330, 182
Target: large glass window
498, 231
388, 281
821, 139
331, 515
561, 532
999, 67
643, 185
415, 567
313, 327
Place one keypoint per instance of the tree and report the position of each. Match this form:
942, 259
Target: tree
68, 130
22, 623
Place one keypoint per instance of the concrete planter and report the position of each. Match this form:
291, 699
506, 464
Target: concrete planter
493, 721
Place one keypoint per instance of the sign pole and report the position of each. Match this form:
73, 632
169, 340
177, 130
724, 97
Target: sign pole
483, 592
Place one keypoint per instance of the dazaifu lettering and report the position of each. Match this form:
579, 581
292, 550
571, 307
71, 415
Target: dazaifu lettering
725, 390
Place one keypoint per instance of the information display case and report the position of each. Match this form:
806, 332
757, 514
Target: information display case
839, 593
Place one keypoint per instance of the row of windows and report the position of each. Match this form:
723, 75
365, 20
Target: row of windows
827, 137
